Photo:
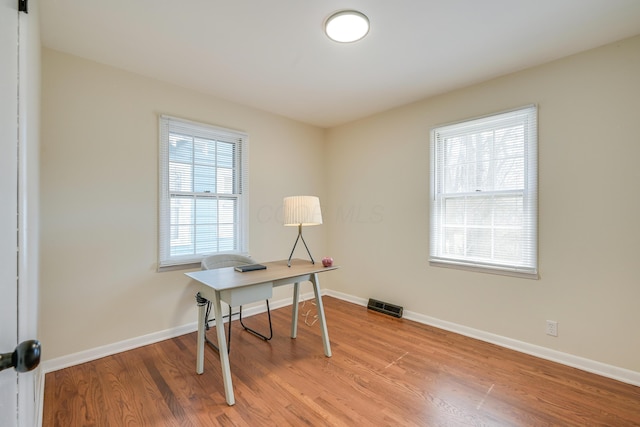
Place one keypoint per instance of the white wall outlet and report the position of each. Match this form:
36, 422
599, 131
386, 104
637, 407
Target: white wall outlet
552, 328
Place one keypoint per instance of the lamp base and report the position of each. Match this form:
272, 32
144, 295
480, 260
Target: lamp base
294, 246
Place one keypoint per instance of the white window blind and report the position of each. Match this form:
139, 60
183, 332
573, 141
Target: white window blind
203, 197
484, 193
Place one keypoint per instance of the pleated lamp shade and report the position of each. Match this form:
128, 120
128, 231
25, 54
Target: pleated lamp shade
302, 210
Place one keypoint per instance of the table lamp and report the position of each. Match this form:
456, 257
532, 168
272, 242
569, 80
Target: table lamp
301, 211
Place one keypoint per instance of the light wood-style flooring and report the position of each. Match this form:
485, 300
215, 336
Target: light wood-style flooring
384, 372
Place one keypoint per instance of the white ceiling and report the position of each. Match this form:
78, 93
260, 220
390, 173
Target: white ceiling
273, 54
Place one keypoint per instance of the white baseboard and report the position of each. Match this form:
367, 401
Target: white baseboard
118, 347
603, 369
599, 368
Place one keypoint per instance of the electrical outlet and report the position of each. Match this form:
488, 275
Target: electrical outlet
552, 328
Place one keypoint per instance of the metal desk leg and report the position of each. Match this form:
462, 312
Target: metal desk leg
294, 310
200, 341
323, 322
222, 345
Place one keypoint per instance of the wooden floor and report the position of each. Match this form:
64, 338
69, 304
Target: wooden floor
384, 372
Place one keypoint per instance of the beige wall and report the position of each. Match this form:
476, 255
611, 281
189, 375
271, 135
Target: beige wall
589, 205
99, 185
99, 158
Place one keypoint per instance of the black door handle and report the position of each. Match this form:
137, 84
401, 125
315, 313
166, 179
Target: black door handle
24, 358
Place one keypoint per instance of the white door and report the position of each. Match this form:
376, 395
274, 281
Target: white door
19, 124
8, 205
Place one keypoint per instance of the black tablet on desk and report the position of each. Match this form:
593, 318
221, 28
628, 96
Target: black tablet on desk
250, 267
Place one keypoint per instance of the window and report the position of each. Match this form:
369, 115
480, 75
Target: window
484, 193
203, 195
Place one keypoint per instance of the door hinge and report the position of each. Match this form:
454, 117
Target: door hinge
22, 6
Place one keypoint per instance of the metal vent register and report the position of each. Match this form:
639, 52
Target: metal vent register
385, 308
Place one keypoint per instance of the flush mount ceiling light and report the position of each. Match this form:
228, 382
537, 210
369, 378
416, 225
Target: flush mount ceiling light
346, 26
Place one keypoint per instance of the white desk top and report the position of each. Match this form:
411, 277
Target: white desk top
228, 278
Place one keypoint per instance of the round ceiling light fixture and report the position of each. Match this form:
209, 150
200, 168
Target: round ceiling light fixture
346, 26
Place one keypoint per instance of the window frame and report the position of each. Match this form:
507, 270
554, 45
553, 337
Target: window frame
239, 195
526, 267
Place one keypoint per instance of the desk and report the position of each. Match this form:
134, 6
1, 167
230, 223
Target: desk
235, 288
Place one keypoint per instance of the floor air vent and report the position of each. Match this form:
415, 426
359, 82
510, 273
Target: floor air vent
385, 307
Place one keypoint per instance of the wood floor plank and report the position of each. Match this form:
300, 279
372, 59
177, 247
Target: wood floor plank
384, 371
